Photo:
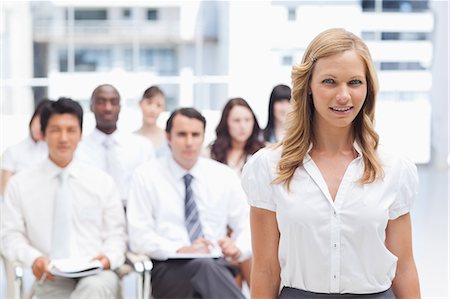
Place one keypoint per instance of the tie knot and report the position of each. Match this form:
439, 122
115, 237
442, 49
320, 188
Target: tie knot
187, 179
63, 176
108, 142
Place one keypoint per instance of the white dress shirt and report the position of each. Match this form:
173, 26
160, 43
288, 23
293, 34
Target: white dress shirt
155, 211
23, 155
98, 218
331, 246
132, 150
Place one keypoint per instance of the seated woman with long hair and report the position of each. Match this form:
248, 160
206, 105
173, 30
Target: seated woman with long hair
238, 135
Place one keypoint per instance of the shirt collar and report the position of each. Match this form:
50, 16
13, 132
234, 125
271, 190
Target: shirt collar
53, 170
179, 172
356, 146
101, 137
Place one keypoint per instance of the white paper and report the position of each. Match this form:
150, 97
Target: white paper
193, 255
72, 268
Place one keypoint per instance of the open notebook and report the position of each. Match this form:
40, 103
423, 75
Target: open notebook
73, 268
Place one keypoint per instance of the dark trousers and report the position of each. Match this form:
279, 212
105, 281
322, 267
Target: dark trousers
194, 278
291, 293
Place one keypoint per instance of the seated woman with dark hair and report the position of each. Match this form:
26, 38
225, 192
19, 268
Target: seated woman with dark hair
238, 135
27, 152
279, 106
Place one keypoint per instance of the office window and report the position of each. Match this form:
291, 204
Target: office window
62, 60
287, 60
401, 66
161, 61
405, 5
126, 13
90, 14
405, 36
368, 5
368, 35
152, 14
292, 13
92, 60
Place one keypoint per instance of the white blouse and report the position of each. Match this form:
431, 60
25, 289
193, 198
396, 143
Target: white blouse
331, 246
23, 155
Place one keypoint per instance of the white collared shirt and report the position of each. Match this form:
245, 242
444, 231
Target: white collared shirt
98, 218
155, 211
326, 246
23, 155
132, 151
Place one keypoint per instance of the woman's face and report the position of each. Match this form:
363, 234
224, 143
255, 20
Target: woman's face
280, 110
152, 108
35, 129
339, 88
240, 123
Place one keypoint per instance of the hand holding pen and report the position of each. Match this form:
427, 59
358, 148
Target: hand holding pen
40, 269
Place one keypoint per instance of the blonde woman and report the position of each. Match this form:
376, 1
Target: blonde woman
330, 211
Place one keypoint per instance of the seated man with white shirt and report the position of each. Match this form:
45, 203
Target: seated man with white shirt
63, 209
109, 149
178, 212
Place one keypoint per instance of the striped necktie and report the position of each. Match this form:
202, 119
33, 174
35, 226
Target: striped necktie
193, 224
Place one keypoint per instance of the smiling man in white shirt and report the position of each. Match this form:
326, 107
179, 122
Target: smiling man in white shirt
64, 209
178, 212
108, 148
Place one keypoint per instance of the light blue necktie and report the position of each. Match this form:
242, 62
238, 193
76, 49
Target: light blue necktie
62, 219
192, 220
113, 165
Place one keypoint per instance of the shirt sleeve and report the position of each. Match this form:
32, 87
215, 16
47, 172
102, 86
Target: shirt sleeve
113, 232
257, 181
14, 242
239, 216
8, 161
407, 190
143, 237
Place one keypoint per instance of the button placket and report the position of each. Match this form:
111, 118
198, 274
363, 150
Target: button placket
335, 252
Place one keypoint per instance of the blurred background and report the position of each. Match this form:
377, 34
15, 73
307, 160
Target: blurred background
201, 53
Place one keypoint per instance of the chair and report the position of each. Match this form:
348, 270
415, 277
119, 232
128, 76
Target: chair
138, 263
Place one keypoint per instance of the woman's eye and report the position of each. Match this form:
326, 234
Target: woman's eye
328, 81
355, 82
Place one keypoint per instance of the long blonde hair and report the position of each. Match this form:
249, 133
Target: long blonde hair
299, 134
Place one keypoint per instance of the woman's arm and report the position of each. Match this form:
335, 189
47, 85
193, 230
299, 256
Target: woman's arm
265, 279
5, 176
398, 241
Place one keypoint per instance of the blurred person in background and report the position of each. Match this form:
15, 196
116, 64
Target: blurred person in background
178, 212
279, 106
153, 102
237, 139
64, 209
116, 152
26, 153
237, 135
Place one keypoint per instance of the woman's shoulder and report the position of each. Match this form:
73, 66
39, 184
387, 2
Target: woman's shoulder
266, 157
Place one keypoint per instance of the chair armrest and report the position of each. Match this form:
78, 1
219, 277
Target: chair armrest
14, 278
134, 262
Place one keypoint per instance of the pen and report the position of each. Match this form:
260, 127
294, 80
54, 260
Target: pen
43, 278
44, 275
